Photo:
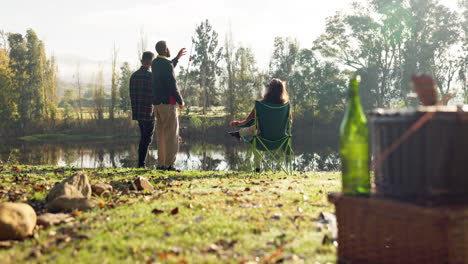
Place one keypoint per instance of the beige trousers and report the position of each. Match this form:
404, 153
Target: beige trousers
167, 133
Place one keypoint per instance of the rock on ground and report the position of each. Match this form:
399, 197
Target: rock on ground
142, 184
66, 203
49, 219
75, 186
17, 221
100, 188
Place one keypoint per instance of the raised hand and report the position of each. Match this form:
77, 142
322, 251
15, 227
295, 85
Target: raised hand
181, 53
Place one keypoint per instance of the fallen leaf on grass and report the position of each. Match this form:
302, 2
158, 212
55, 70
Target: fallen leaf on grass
273, 256
166, 255
157, 211
213, 248
140, 223
276, 216
226, 244
175, 211
77, 213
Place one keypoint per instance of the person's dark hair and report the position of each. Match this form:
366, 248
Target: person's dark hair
147, 56
276, 92
161, 47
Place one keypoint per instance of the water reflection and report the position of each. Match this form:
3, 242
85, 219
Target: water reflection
91, 154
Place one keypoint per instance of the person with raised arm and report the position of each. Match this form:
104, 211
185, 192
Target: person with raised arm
166, 96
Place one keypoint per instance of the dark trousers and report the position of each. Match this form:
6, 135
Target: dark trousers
146, 136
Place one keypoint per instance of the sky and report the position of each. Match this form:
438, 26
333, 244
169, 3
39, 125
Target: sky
84, 32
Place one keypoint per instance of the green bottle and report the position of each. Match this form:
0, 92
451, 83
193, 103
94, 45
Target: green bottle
354, 145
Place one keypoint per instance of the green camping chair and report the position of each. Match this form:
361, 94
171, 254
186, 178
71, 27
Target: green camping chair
273, 139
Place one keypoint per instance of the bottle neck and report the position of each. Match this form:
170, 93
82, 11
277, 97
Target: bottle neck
353, 93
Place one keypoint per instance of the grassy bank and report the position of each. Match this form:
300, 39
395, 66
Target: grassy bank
221, 217
68, 137
71, 137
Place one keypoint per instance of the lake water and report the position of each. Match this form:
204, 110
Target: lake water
226, 155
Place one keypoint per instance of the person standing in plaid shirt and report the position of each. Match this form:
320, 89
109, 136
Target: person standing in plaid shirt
141, 97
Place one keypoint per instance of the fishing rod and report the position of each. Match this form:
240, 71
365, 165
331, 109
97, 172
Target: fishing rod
185, 83
187, 71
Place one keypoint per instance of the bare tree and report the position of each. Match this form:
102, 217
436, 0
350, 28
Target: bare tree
229, 75
114, 84
4, 40
79, 88
142, 44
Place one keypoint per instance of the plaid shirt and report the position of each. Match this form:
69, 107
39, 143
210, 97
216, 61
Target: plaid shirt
141, 94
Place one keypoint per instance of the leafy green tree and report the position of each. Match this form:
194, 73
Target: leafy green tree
68, 113
17, 64
124, 86
35, 69
190, 88
283, 62
69, 97
7, 92
388, 41
50, 89
99, 95
462, 74
302, 82
239, 78
435, 33
284, 58
69, 106
34, 77
318, 88
356, 41
206, 60
246, 82
330, 86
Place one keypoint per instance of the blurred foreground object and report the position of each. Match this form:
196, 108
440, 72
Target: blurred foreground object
354, 146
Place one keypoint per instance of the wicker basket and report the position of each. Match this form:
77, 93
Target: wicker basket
431, 166
378, 231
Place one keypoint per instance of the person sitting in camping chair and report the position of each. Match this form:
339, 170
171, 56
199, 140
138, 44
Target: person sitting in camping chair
268, 126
